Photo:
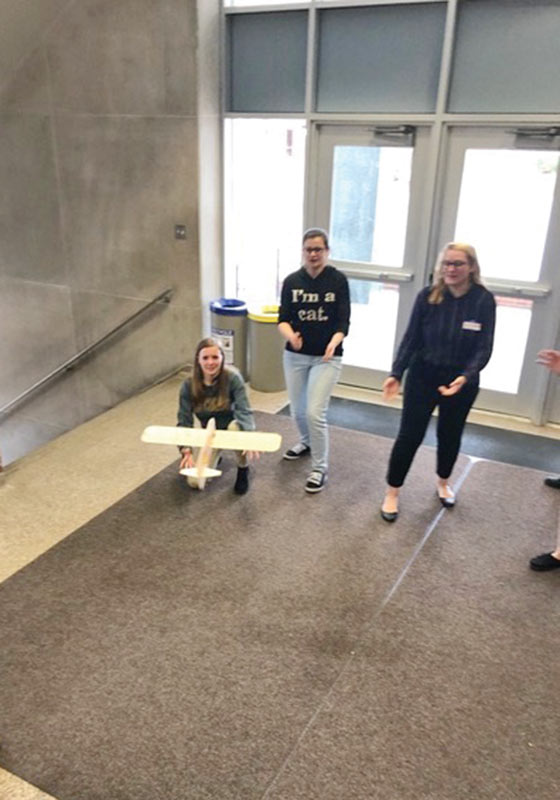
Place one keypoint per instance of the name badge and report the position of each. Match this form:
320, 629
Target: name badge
471, 325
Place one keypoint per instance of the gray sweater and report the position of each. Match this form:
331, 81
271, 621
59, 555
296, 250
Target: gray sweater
237, 409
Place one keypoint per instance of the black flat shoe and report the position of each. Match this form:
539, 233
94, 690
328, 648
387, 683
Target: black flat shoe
242, 481
544, 562
447, 502
554, 483
389, 516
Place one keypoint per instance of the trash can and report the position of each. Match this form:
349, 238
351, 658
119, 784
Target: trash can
266, 346
229, 327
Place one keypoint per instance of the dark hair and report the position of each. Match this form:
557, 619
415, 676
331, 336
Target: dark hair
197, 384
311, 233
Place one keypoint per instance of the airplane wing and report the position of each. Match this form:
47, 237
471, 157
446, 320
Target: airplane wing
222, 440
163, 434
207, 472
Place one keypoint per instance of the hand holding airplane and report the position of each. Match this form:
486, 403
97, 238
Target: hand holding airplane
251, 442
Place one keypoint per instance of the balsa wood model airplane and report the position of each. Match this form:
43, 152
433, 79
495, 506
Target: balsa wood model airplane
208, 439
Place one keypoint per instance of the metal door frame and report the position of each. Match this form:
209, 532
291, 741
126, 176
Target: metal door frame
531, 399
416, 266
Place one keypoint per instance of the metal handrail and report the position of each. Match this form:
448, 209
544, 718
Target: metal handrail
67, 365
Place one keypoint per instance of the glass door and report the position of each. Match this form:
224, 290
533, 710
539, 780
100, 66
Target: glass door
501, 193
369, 185
554, 405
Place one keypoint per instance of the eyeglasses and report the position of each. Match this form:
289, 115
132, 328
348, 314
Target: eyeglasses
311, 250
454, 263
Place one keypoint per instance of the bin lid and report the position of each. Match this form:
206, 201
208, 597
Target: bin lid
264, 313
228, 307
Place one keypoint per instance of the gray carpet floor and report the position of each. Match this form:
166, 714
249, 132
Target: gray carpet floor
482, 441
187, 645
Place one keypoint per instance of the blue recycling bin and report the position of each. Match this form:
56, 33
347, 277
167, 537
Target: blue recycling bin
229, 326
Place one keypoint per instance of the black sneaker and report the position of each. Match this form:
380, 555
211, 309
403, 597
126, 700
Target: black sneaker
242, 481
315, 482
544, 562
297, 451
554, 483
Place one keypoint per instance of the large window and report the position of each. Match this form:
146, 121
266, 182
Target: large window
259, 76
264, 175
506, 191
402, 104
374, 320
513, 320
389, 54
369, 203
506, 57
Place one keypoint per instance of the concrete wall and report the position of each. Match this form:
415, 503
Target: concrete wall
99, 159
22, 24
210, 157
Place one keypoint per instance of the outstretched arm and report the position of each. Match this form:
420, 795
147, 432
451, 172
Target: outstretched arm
291, 336
185, 420
391, 386
485, 339
332, 345
185, 412
412, 339
285, 327
452, 388
186, 458
241, 408
550, 359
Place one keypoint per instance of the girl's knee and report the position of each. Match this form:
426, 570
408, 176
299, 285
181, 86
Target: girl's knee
316, 416
408, 442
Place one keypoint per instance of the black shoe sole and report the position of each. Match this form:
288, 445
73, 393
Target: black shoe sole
286, 457
389, 516
548, 566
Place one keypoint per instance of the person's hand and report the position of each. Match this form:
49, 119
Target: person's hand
549, 359
252, 455
453, 387
186, 459
390, 388
329, 352
296, 341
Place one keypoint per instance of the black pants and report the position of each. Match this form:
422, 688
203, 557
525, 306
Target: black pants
420, 398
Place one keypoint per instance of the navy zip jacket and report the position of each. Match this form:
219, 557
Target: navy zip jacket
457, 333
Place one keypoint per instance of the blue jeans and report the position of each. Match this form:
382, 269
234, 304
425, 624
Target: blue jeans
310, 381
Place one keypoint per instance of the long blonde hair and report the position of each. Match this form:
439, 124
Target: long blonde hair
438, 285
198, 398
